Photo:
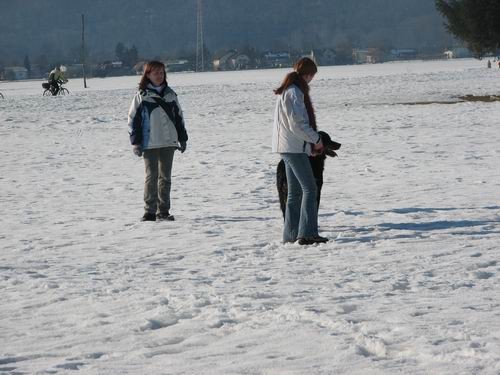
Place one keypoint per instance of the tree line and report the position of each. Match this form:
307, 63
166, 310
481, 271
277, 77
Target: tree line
170, 26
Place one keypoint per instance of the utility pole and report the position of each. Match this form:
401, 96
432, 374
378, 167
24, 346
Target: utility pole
83, 52
200, 55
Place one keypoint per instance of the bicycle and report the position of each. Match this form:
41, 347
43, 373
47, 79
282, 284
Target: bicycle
48, 89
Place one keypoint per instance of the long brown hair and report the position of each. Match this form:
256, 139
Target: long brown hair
305, 66
148, 67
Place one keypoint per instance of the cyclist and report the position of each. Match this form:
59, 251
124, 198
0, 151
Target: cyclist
56, 79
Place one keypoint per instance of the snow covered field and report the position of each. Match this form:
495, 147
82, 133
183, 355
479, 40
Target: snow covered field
409, 283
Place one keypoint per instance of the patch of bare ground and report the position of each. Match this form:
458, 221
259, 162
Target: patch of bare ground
461, 99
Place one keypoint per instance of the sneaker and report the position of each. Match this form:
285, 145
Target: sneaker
312, 240
149, 217
165, 216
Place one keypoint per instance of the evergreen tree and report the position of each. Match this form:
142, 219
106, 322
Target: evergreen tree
132, 56
344, 52
43, 63
27, 63
120, 51
476, 22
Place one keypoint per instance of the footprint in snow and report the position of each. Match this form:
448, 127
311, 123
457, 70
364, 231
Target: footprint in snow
481, 275
487, 264
263, 278
401, 285
346, 309
71, 365
158, 323
219, 323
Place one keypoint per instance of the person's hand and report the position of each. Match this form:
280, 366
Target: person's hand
182, 147
137, 149
318, 148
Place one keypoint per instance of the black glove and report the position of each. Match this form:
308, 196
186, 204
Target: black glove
137, 150
182, 148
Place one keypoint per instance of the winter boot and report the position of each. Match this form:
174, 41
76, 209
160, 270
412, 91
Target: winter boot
165, 216
312, 240
149, 217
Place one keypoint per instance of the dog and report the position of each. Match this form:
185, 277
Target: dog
317, 164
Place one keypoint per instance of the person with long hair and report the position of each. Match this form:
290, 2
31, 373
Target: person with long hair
295, 138
156, 129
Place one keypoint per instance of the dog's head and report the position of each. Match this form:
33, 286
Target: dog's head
330, 146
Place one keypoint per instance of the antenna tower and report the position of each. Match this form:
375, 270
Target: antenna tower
200, 56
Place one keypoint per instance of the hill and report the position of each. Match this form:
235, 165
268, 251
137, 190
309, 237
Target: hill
52, 27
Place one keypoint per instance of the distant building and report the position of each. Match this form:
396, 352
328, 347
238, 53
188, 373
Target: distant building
367, 56
14, 73
139, 67
448, 54
231, 60
179, 66
37, 72
403, 54
324, 57
461, 52
72, 70
223, 62
112, 69
457, 53
276, 60
240, 62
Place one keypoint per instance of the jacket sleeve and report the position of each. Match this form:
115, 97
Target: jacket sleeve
135, 121
296, 112
179, 122
59, 77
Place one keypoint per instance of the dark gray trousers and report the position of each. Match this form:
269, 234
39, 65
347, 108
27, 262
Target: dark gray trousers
158, 164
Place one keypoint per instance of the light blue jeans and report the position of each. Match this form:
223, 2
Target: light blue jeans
301, 215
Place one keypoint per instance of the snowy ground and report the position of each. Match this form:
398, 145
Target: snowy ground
408, 285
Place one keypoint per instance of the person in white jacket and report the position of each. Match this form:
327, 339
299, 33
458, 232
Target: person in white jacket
156, 130
295, 138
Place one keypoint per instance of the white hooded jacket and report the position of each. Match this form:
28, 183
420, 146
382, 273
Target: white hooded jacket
291, 131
